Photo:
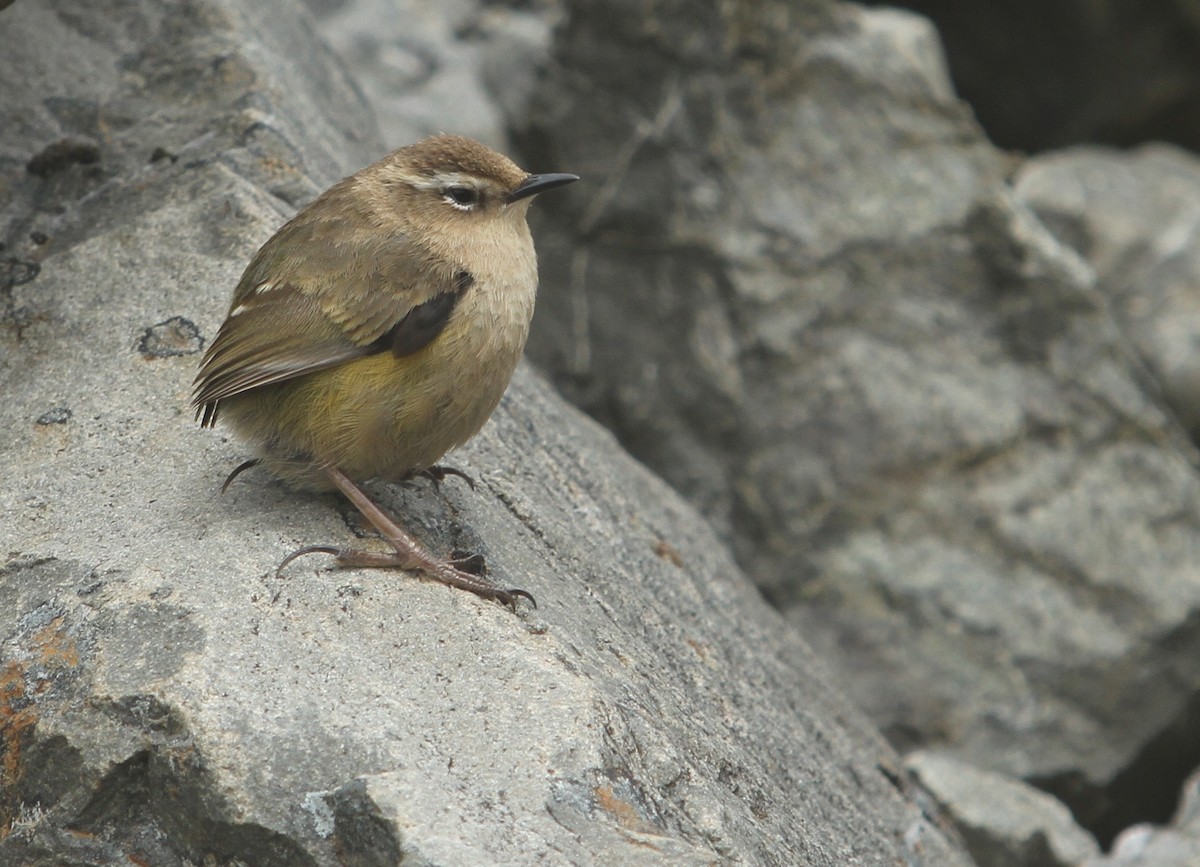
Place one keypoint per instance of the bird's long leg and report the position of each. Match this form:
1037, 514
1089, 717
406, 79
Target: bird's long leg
408, 552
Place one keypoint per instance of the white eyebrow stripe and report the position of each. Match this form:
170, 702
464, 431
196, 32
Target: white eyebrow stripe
446, 179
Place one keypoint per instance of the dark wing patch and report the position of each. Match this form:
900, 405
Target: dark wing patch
425, 321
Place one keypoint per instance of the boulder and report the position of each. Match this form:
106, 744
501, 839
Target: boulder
1135, 218
1004, 822
167, 698
799, 285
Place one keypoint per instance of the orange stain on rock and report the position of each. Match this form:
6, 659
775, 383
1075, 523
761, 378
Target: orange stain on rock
624, 812
17, 718
53, 647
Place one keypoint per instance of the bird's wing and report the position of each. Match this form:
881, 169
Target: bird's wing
327, 311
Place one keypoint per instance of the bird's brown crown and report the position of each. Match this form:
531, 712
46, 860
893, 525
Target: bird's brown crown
442, 155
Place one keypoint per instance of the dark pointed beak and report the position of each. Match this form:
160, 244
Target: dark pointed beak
535, 184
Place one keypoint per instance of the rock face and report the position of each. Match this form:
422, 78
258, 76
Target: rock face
453, 66
1135, 218
802, 290
1004, 823
167, 699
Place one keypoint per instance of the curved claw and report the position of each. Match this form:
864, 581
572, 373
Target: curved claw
509, 598
437, 474
238, 470
307, 549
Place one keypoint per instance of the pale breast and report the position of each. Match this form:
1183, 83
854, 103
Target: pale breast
444, 394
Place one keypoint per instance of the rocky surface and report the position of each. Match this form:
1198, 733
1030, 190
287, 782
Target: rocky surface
801, 288
1004, 822
167, 699
454, 66
804, 292
1135, 218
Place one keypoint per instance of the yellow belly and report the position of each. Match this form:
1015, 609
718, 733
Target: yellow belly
380, 416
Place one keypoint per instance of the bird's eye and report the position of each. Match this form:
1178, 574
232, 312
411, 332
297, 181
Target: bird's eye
462, 197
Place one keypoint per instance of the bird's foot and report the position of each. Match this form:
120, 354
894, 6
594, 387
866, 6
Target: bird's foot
407, 552
438, 473
452, 572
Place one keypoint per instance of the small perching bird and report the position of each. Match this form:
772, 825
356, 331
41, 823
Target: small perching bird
378, 329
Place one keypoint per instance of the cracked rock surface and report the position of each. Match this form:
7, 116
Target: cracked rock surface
166, 699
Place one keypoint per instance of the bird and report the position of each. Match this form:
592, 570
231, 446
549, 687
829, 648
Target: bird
377, 330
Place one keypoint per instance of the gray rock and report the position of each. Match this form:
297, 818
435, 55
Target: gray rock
453, 66
166, 698
1135, 217
1004, 822
796, 283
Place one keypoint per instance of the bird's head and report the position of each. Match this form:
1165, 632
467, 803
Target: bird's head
450, 181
